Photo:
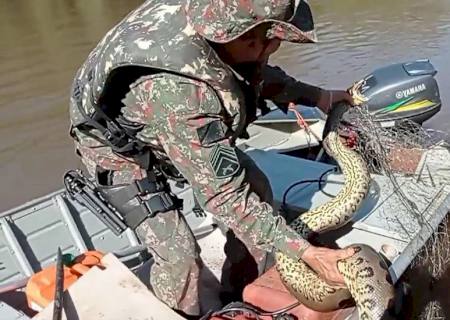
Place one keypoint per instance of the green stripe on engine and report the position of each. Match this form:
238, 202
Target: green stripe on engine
394, 106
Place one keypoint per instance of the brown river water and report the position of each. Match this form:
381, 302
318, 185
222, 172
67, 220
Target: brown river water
43, 43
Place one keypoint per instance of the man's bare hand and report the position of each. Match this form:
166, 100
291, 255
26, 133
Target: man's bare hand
324, 262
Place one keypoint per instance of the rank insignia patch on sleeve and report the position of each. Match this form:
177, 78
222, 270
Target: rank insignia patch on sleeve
224, 161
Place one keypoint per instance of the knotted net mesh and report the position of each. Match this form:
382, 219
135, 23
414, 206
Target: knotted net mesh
401, 153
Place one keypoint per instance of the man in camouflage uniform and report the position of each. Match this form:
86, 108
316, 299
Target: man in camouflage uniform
184, 79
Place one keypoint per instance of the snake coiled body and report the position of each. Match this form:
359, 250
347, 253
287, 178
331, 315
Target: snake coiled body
365, 273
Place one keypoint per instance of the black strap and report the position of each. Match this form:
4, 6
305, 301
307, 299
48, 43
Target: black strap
158, 203
118, 134
141, 199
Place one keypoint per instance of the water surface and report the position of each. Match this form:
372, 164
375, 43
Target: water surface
44, 42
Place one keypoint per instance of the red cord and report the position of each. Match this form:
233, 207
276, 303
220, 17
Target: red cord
301, 122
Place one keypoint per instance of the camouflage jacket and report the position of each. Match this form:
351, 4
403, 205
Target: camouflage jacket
177, 89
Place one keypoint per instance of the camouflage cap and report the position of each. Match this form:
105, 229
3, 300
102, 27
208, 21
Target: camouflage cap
225, 20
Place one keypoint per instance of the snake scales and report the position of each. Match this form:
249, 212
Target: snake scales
365, 273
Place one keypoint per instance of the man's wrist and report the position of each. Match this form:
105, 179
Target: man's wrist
325, 101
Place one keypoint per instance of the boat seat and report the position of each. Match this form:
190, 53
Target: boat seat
268, 293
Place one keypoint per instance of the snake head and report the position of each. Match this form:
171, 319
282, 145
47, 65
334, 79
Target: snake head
355, 92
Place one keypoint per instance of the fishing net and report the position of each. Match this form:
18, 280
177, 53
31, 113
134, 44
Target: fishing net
398, 153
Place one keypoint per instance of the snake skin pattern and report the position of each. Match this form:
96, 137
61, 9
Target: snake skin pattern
365, 273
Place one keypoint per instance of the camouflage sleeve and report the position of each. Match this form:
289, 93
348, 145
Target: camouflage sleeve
178, 111
282, 89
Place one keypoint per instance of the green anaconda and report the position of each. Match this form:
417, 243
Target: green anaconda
365, 273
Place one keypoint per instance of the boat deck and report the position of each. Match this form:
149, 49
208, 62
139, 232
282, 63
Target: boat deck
30, 234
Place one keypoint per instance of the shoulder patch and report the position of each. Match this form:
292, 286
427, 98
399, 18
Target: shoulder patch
224, 161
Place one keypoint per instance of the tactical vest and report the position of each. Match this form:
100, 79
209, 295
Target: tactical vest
156, 37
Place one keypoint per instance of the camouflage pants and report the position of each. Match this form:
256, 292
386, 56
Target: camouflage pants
175, 274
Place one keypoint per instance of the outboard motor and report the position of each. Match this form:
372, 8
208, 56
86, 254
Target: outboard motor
402, 91
395, 93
